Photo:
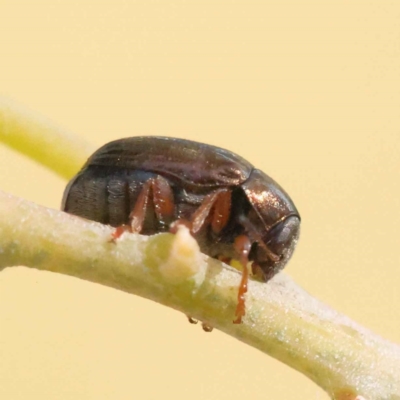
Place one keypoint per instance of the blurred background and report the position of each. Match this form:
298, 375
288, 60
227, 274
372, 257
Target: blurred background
307, 91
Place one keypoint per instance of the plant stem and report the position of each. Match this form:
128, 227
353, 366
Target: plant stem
40, 140
281, 320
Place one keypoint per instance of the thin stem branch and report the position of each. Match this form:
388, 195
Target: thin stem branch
282, 320
41, 140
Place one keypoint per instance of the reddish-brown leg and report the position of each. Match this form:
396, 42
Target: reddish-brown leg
136, 217
242, 246
119, 230
163, 201
224, 259
159, 192
222, 211
156, 191
217, 206
214, 210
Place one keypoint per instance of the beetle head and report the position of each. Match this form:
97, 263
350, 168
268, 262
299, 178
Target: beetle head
281, 241
275, 220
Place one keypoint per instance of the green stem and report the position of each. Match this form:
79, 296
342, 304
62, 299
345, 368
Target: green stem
281, 320
40, 140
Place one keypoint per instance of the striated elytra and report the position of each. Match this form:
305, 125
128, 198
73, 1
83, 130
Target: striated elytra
153, 183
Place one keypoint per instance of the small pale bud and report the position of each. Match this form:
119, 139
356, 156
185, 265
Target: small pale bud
185, 260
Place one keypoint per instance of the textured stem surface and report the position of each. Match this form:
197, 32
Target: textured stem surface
282, 320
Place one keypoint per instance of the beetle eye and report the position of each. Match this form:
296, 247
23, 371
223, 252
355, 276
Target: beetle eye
283, 237
280, 241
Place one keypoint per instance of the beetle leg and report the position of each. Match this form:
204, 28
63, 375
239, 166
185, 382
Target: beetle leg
138, 213
216, 205
163, 200
222, 211
119, 230
224, 259
242, 246
159, 192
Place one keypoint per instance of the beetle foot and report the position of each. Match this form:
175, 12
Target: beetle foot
206, 327
118, 232
192, 320
224, 259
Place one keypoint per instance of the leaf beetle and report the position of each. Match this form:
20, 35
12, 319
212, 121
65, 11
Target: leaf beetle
234, 210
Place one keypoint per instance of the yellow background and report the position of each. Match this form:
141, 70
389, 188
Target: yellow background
307, 91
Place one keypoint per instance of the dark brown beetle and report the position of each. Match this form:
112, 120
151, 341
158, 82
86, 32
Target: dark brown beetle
154, 183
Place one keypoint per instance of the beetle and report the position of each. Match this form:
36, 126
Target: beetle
153, 184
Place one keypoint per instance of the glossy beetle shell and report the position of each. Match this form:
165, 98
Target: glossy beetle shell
107, 187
